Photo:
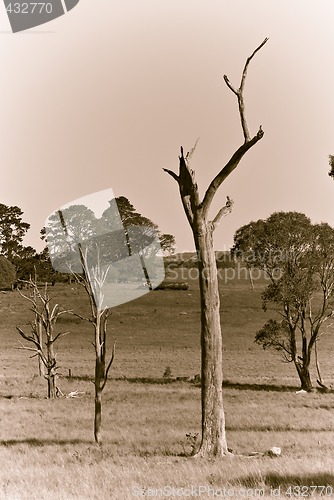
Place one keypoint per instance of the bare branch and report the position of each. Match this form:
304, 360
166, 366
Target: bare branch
191, 152
55, 312
227, 81
62, 334
81, 317
227, 170
64, 311
28, 338
26, 296
23, 347
225, 210
36, 350
173, 174
244, 73
239, 92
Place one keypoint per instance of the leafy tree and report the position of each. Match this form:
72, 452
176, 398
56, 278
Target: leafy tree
298, 258
81, 225
197, 210
130, 217
127, 212
25, 263
12, 231
7, 273
27, 252
44, 269
167, 244
31, 263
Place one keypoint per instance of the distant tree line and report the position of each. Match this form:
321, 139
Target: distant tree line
19, 262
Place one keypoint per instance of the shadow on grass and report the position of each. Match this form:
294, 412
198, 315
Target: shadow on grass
195, 383
43, 442
270, 387
278, 428
259, 387
319, 481
316, 479
135, 380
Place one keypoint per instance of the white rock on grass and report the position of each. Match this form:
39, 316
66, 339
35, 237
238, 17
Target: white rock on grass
275, 451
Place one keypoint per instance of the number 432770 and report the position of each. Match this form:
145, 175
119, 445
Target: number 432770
29, 8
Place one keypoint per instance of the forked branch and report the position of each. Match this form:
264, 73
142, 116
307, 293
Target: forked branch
239, 92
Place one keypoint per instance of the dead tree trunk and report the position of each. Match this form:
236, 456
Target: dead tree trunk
101, 371
213, 441
51, 369
99, 321
99, 378
213, 417
39, 336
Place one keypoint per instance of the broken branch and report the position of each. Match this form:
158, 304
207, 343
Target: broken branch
225, 210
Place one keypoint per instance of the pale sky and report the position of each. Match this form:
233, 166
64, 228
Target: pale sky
104, 96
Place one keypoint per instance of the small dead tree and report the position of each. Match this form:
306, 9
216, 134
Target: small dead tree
42, 336
213, 441
93, 280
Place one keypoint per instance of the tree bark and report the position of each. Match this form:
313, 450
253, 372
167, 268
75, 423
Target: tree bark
213, 419
39, 331
99, 378
305, 377
52, 393
51, 368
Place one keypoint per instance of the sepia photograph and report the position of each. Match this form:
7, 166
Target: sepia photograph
166, 249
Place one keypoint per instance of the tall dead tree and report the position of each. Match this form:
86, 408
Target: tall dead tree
213, 441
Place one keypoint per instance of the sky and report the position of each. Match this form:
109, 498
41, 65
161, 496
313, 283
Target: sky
104, 96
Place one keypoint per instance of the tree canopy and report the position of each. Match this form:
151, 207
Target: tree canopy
12, 231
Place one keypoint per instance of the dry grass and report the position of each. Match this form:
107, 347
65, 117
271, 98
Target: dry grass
47, 449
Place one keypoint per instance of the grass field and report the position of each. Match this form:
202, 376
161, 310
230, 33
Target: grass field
47, 449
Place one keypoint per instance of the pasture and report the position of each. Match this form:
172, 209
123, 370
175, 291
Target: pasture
47, 449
